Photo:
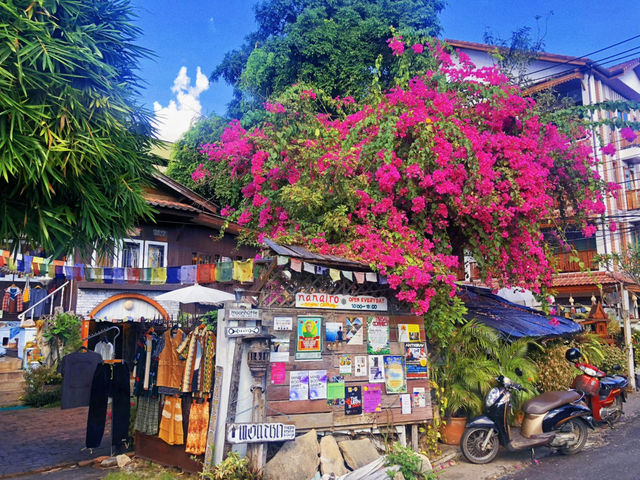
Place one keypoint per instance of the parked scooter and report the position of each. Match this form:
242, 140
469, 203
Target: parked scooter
555, 419
604, 393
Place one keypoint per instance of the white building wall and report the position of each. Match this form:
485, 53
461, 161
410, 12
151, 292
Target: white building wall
90, 298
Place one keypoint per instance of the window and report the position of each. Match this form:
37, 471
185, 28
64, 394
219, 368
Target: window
635, 235
130, 254
155, 254
200, 259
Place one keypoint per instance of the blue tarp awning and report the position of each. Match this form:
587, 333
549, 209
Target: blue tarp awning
512, 320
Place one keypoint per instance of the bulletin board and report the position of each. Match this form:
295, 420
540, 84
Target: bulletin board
315, 351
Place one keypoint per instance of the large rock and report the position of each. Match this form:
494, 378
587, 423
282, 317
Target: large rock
426, 464
296, 460
330, 457
358, 453
123, 460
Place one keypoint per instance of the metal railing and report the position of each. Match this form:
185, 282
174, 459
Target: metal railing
22, 315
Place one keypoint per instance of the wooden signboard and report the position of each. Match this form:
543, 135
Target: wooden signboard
243, 314
259, 432
242, 331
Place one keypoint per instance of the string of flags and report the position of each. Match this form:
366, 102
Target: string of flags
222, 272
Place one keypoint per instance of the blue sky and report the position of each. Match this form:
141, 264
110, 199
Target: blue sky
190, 36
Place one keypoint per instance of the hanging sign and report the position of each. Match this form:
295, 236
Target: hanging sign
242, 331
340, 302
260, 432
243, 314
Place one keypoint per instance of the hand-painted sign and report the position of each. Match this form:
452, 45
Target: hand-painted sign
260, 432
242, 331
243, 314
340, 302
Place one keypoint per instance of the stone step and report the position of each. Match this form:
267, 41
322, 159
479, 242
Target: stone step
16, 386
10, 363
9, 399
11, 376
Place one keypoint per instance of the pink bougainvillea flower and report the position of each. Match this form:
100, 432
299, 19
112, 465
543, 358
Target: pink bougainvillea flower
307, 94
628, 134
609, 149
554, 322
589, 230
274, 107
613, 226
417, 48
396, 45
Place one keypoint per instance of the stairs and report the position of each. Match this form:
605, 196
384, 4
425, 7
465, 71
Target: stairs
11, 381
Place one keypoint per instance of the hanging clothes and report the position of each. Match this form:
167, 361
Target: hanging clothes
105, 349
12, 300
77, 370
109, 380
198, 348
171, 430
170, 366
198, 428
146, 365
37, 294
148, 415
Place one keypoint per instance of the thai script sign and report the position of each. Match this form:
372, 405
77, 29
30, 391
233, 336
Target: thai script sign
242, 331
340, 302
243, 314
260, 432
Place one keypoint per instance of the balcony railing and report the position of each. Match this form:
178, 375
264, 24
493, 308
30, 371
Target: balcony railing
633, 199
567, 262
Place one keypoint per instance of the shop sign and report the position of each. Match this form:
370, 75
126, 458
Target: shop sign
242, 331
243, 314
260, 432
340, 302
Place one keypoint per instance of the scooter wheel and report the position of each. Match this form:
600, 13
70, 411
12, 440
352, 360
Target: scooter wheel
578, 428
472, 443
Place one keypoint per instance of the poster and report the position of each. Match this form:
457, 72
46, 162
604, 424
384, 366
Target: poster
309, 343
353, 401
298, 385
394, 376
280, 347
416, 359
317, 384
376, 369
372, 397
378, 335
335, 390
278, 373
354, 327
345, 364
405, 402
283, 323
419, 397
408, 332
360, 366
334, 336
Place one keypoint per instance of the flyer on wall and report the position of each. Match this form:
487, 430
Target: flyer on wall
298, 385
394, 376
354, 330
345, 363
408, 332
317, 384
335, 390
309, 344
353, 401
372, 397
334, 336
416, 359
283, 323
378, 335
360, 366
280, 347
419, 397
278, 373
376, 368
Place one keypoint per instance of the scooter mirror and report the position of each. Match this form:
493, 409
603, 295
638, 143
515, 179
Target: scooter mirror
518, 371
616, 368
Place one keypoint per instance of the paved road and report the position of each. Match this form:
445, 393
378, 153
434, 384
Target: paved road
36, 438
617, 458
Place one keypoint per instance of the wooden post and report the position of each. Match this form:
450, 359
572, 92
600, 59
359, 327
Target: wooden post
254, 450
215, 400
414, 437
233, 389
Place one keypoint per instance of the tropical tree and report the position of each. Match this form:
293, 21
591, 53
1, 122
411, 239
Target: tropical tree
453, 160
330, 45
72, 137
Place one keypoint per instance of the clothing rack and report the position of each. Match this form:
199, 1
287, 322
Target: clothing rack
104, 331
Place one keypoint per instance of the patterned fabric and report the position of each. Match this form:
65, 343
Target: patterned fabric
171, 423
12, 300
140, 362
170, 367
188, 367
224, 272
198, 427
243, 270
148, 415
208, 367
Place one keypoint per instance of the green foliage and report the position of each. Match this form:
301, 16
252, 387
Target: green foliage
475, 355
73, 140
409, 462
63, 329
210, 319
330, 45
233, 467
614, 355
186, 156
42, 386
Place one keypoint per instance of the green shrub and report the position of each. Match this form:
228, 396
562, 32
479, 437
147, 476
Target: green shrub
614, 355
234, 467
409, 462
42, 386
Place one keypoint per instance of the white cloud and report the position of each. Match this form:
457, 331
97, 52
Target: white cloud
175, 119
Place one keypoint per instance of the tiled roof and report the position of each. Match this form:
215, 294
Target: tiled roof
589, 278
158, 201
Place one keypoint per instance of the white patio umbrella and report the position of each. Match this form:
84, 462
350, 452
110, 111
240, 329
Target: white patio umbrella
519, 296
196, 294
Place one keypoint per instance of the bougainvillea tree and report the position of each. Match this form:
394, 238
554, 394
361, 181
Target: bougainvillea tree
452, 161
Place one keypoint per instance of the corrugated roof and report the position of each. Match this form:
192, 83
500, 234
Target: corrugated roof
512, 320
304, 254
589, 278
158, 201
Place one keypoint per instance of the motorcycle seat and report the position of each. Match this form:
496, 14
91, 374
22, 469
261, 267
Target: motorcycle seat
614, 381
549, 400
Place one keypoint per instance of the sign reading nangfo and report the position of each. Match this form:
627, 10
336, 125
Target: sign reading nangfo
260, 432
340, 302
